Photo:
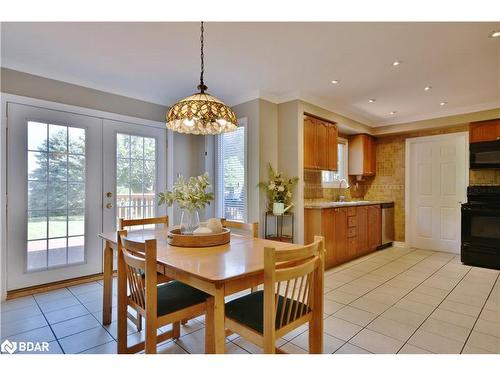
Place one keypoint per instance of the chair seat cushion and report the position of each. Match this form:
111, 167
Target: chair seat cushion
249, 310
174, 296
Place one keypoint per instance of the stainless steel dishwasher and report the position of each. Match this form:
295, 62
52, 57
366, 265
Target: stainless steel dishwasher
387, 224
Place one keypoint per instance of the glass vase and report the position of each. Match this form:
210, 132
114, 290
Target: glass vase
190, 221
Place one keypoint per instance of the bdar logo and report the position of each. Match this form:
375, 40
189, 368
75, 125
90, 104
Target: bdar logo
9, 347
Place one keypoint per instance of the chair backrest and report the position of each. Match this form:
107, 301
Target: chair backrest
126, 223
251, 228
292, 279
138, 258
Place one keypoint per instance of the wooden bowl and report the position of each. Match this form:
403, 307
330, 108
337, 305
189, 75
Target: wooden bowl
175, 238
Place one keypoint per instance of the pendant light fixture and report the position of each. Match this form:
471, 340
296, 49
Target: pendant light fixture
201, 113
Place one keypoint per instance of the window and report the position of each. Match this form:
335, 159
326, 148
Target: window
332, 179
231, 175
135, 176
56, 195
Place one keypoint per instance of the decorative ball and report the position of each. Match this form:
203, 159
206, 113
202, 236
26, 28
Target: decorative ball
202, 230
214, 225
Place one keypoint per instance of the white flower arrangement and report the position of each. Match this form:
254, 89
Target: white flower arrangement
190, 195
278, 188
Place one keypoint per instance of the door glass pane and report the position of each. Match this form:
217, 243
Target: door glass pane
135, 176
56, 195
37, 136
37, 165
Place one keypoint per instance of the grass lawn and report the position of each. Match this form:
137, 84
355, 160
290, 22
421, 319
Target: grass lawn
37, 227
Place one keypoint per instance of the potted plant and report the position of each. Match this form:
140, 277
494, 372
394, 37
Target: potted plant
190, 196
279, 191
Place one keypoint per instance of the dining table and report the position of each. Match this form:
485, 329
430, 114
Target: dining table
217, 270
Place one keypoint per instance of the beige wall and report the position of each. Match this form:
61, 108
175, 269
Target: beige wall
24, 84
262, 148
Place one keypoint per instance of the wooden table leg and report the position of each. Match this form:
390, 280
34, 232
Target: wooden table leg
219, 330
107, 296
209, 327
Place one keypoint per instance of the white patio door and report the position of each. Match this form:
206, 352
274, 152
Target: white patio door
437, 187
135, 171
69, 177
53, 196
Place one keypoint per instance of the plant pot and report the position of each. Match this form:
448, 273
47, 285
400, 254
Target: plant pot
278, 208
190, 221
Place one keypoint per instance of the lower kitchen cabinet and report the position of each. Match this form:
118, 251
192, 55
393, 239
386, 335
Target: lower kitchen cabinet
349, 232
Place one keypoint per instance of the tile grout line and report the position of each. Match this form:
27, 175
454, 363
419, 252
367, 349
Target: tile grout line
461, 279
430, 255
88, 329
432, 274
482, 308
48, 324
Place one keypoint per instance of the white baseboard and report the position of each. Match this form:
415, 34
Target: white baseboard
399, 244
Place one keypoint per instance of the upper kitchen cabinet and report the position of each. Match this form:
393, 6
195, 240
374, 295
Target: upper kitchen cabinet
320, 144
483, 131
362, 159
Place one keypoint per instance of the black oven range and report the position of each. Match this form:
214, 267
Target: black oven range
481, 227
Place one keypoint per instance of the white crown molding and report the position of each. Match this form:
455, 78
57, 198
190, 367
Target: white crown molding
442, 113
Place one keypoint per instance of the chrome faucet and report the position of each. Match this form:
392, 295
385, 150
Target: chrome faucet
341, 198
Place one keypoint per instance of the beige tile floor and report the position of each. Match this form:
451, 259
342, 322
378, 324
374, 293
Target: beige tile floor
391, 301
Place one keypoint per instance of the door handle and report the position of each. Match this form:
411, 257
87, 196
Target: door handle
109, 194
109, 205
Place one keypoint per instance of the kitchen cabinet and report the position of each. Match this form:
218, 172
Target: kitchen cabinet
320, 144
333, 156
309, 143
362, 155
483, 131
362, 222
349, 232
341, 235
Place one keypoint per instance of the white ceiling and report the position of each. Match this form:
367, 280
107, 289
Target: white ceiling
159, 62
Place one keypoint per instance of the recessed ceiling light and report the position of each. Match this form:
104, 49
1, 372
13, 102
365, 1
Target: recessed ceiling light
371, 100
495, 34
335, 81
427, 88
396, 63
393, 112
443, 103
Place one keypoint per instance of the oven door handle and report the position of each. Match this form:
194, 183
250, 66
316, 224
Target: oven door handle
496, 212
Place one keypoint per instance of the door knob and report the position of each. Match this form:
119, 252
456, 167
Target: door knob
109, 205
109, 194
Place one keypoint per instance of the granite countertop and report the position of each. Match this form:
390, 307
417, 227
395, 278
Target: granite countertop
343, 204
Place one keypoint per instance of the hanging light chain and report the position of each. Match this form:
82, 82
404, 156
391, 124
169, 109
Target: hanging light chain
202, 86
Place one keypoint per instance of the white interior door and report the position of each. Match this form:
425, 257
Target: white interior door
437, 187
134, 171
53, 196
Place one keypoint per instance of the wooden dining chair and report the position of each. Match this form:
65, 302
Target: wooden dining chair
161, 304
251, 228
129, 223
292, 296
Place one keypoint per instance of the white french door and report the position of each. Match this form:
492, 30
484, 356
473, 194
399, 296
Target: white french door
438, 169
61, 168
134, 159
